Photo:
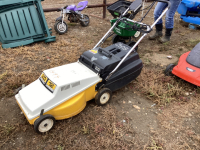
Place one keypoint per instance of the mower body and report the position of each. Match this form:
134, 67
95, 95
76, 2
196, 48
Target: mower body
63, 91
188, 67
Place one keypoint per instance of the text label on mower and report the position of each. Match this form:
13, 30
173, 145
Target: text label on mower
189, 69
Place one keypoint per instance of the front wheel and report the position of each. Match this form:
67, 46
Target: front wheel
61, 28
44, 123
168, 70
103, 96
85, 21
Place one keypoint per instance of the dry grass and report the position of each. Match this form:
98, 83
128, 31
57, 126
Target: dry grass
158, 87
96, 128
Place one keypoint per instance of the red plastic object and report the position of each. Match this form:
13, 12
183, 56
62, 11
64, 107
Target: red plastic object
186, 71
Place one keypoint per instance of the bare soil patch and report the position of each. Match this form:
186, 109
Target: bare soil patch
160, 59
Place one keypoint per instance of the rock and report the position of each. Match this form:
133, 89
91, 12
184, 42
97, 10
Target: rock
169, 57
186, 93
135, 106
23, 86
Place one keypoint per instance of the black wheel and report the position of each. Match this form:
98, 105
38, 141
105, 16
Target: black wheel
103, 96
116, 38
131, 44
168, 70
61, 28
44, 123
86, 21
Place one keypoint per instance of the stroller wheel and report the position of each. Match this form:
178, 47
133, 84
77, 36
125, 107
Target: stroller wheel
60, 28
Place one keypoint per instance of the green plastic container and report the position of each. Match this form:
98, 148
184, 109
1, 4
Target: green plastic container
22, 22
121, 30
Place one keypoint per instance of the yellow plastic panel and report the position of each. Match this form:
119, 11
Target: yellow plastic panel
90, 93
69, 108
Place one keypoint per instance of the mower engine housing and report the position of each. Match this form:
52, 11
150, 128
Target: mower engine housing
104, 60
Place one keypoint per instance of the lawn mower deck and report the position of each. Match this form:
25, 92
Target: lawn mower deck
188, 67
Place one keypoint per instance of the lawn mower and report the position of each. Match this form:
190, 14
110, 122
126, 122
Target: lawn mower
188, 67
63, 91
74, 15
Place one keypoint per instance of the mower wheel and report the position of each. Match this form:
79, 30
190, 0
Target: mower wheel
44, 123
61, 28
85, 23
103, 96
116, 38
168, 70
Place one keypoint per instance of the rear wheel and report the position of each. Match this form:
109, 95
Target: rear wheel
44, 123
116, 38
168, 70
103, 96
131, 44
86, 21
61, 28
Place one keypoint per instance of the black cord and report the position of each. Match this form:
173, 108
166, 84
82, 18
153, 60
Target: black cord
148, 11
147, 7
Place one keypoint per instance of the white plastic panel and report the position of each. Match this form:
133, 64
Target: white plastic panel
36, 96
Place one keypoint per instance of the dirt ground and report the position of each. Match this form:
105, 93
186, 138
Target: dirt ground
153, 112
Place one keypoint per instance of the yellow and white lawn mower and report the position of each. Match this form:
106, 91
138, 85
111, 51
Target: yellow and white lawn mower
63, 92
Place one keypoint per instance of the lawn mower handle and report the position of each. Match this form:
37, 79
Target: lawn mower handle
136, 44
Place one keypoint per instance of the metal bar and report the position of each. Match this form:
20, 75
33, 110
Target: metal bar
104, 9
135, 22
135, 45
192, 14
110, 29
89, 6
